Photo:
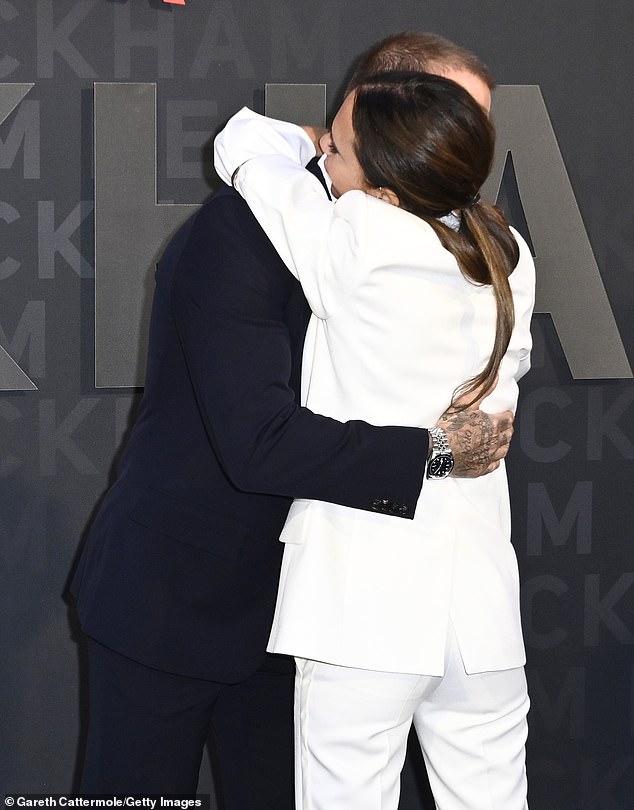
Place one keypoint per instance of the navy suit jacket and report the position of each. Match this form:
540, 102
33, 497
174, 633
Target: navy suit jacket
181, 564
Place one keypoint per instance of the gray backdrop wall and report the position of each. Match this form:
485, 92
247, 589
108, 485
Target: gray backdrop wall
565, 115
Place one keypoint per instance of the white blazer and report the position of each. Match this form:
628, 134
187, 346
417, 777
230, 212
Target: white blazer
396, 329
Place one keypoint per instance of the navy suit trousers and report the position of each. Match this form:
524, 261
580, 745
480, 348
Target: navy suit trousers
151, 735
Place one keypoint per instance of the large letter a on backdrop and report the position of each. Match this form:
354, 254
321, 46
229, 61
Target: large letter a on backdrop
569, 284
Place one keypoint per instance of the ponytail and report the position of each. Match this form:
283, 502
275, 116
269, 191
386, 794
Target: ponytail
425, 138
487, 253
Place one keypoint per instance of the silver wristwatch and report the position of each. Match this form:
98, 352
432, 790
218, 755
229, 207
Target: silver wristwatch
440, 462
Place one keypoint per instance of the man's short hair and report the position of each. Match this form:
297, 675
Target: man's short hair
419, 51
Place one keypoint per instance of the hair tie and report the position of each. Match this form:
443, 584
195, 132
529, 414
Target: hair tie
474, 200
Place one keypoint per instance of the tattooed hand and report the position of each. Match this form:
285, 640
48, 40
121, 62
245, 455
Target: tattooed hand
478, 440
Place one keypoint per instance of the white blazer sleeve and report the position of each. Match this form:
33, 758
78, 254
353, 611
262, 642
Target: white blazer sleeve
522, 281
322, 243
248, 134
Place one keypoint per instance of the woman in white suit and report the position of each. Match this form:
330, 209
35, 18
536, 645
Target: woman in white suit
420, 293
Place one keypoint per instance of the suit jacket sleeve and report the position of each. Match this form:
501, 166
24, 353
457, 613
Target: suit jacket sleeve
230, 317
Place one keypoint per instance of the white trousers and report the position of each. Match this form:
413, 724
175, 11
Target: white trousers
351, 728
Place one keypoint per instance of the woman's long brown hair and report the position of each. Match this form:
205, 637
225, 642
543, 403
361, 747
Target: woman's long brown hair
425, 138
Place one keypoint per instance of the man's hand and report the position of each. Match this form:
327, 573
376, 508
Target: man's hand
478, 440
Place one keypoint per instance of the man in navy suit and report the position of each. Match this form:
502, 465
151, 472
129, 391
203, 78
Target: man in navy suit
176, 585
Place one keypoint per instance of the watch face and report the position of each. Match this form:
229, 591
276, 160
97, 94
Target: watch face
440, 466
